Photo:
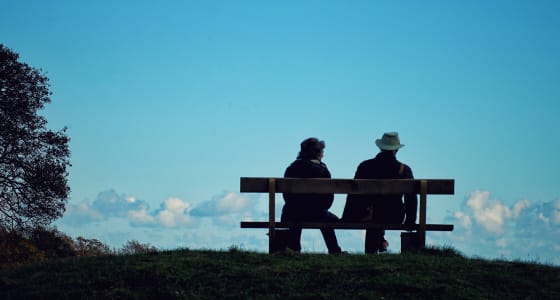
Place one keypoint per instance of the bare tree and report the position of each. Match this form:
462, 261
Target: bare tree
33, 159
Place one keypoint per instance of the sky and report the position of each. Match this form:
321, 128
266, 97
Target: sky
169, 103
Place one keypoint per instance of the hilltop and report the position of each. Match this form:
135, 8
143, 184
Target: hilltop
236, 274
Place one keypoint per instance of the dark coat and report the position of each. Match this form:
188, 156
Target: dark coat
303, 168
386, 208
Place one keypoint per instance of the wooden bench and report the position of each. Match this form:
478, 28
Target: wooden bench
422, 187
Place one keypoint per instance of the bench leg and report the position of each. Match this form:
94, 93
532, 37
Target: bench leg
410, 241
280, 241
271, 214
422, 223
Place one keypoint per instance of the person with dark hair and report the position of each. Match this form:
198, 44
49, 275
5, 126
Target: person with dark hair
309, 207
387, 209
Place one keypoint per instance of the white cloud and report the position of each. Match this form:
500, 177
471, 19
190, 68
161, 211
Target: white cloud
175, 213
226, 209
491, 228
519, 206
464, 219
232, 202
226, 220
110, 203
225, 204
556, 212
543, 218
502, 243
490, 214
81, 213
85, 209
107, 204
167, 219
141, 217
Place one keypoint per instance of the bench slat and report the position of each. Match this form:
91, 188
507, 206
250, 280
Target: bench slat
347, 186
348, 225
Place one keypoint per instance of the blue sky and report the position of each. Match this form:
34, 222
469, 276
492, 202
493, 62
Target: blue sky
168, 103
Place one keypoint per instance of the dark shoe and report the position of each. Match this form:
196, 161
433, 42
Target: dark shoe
338, 252
290, 251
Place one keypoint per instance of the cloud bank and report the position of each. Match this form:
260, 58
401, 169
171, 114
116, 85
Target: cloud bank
224, 210
484, 226
489, 228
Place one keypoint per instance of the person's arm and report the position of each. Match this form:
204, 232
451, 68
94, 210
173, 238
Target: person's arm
410, 200
288, 197
360, 172
325, 200
352, 211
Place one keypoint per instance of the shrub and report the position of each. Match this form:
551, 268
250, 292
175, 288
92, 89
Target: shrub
53, 242
135, 247
16, 249
90, 247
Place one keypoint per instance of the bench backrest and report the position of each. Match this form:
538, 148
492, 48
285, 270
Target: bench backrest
347, 186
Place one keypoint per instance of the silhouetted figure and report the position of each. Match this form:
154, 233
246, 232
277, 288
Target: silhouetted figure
382, 209
309, 207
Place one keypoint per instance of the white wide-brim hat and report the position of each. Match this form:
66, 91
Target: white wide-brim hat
389, 141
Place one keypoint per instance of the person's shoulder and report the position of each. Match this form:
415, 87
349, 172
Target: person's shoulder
366, 163
405, 170
300, 164
295, 163
319, 169
293, 168
407, 167
316, 164
322, 164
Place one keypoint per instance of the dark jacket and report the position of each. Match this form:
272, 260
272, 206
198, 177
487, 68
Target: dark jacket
383, 166
302, 168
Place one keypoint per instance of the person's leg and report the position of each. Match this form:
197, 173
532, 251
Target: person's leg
294, 234
328, 233
330, 240
374, 238
294, 238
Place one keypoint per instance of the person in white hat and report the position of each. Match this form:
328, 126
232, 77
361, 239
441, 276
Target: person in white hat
387, 209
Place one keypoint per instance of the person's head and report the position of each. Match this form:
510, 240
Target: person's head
389, 142
311, 148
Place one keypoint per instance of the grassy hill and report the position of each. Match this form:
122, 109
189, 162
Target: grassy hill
234, 274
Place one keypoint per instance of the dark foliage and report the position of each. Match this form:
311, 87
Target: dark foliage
34, 246
52, 242
33, 159
16, 249
41, 244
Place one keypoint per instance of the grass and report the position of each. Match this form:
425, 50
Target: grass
236, 274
